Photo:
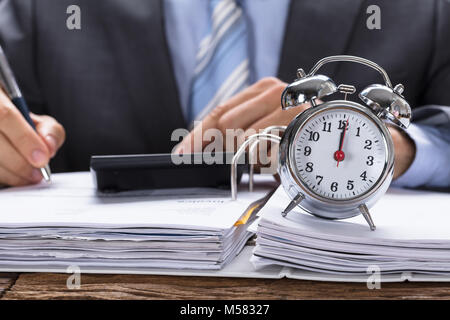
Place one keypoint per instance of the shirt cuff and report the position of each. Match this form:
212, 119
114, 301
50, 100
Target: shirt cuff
423, 165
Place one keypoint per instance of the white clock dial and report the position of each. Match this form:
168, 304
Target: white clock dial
340, 164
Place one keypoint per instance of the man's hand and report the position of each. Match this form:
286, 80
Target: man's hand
255, 108
22, 150
404, 149
258, 107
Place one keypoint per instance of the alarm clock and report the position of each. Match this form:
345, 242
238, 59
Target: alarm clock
336, 159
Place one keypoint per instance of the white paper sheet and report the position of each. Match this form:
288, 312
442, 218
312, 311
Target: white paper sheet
412, 234
401, 216
77, 204
69, 223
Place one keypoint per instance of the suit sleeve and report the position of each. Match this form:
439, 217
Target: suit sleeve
431, 128
17, 40
437, 82
430, 168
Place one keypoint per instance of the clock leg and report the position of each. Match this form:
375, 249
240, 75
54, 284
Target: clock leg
366, 214
298, 198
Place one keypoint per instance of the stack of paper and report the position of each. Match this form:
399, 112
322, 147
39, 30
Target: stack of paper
412, 235
67, 223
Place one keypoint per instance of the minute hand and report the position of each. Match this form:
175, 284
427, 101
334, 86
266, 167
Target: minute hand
340, 154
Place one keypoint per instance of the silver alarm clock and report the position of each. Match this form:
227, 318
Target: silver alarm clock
336, 159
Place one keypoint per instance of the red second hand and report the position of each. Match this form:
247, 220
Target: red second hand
340, 154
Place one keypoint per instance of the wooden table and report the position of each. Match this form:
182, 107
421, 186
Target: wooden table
53, 286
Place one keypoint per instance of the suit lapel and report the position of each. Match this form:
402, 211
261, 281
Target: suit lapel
316, 29
135, 29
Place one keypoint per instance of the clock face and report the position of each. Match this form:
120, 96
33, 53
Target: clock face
340, 153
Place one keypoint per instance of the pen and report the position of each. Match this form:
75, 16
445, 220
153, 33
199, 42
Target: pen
9, 84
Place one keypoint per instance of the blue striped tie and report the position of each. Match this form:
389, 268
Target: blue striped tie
222, 60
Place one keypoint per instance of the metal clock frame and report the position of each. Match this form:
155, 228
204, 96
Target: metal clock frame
318, 205
384, 102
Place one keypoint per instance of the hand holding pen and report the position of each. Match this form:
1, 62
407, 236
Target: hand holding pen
27, 141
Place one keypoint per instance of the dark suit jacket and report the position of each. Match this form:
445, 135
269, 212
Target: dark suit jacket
112, 84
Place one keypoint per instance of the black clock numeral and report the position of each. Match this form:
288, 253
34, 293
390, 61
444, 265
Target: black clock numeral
369, 161
307, 151
364, 176
309, 167
314, 136
350, 185
334, 186
326, 127
358, 131
319, 179
368, 144
342, 124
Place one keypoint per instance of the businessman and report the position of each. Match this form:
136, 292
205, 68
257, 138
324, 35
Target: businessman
135, 70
